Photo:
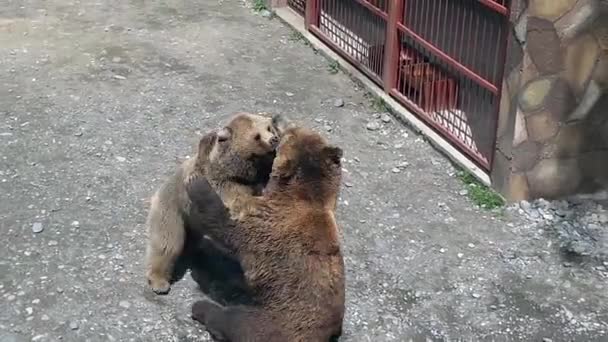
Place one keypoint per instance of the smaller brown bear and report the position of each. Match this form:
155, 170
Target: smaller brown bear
288, 246
236, 161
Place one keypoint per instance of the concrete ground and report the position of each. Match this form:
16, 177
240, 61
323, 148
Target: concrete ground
98, 101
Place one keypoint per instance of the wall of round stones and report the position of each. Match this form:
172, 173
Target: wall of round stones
553, 123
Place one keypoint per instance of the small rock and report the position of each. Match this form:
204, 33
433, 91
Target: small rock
124, 304
289, 94
338, 103
348, 184
121, 159
29, 311
493, 307
78, 134
328, 128
396, 170
460, 255
475, 295
120, 77
567, 264
385, 118
546, 339
442, 250
463, 192
36, 301
75, 224
471, 245
52, 243
373, 126
74, 325
266, 13
44, 317
59, 290
37, 227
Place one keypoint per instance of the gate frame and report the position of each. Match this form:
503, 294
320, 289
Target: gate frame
308, 27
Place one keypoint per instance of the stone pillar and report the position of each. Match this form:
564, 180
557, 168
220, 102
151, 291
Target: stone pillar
558, 104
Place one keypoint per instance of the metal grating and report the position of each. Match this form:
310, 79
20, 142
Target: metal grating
298, 6
357, 30
462, 30
449, 102
443, 59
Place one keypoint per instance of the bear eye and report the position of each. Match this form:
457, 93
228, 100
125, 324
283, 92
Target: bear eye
269, 129
258, 136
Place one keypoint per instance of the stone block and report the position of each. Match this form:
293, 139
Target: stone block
577, 19
570, 140
534, 93
525, 156
553, 178
581, 56
520, 134
561, 100
544, 46
550, 9
541, 126
518, 187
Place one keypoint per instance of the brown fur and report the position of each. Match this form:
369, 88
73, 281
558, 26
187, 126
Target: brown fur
288, 246
236, 160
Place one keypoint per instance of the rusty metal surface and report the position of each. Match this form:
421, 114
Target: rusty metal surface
443, 59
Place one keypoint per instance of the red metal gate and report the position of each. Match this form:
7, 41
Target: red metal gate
443, 59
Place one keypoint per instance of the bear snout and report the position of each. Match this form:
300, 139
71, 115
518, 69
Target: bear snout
274, 141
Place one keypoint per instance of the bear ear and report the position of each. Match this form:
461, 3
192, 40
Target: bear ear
281, 123
333, 154
224, 134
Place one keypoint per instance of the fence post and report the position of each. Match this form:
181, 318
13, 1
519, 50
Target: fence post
392, 45
312, 13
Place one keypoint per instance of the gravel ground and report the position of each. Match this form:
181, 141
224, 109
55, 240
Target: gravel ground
100, 99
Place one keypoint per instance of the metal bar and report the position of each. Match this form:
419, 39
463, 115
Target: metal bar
374, 9
317, 32
477, 158
449, 60
494, 6
312, 13
392, 45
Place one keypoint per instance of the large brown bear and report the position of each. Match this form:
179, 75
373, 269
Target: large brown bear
287, 244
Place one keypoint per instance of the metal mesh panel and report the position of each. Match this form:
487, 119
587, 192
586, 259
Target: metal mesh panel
356, 29
456, 106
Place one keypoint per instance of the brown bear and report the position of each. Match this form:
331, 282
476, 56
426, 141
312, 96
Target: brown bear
236, 160
287, 244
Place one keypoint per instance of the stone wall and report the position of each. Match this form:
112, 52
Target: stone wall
553, 122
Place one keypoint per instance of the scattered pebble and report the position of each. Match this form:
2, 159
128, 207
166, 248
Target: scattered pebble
75, 224
475, 295
471, 245
463, 192
29, 311
338, 103
460, 255
396, 170
74, 325
289, 94
373, 125
37, 227
121, 159
385, 118
44, 318
124, 304
266, 13
52, 243
442, 250
120, 77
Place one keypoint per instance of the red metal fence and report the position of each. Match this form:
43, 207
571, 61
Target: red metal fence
443, 59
